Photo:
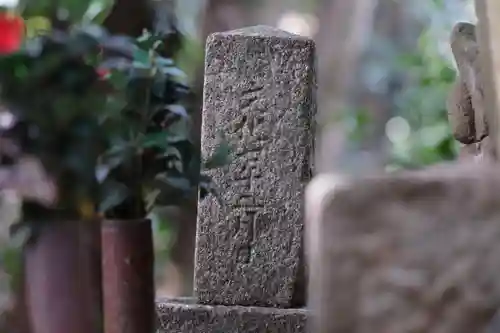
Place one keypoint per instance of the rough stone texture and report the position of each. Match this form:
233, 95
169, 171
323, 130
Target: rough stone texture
259, 94
466, 107
186, 317
461, 113
415, 252
466, 101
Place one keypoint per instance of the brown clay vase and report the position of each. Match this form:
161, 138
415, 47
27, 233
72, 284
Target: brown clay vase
62, 284
128, 280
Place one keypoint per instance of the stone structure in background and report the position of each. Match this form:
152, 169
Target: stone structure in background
260, 97
466, 104
414, 252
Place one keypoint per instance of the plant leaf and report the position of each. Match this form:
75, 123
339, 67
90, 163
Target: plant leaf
180, 183
150, 199
99, 10
162, 139
113, 193
161, 62
178, 110
174, 71
141, 58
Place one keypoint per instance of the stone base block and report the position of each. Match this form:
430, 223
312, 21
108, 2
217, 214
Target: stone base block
185, 316
405, 252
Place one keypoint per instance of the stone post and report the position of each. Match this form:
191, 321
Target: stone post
259, 95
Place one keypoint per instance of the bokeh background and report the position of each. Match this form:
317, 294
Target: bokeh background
398, 78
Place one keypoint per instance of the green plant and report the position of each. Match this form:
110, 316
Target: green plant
52, 97
103, 130
423, 106
67, 11
151, 160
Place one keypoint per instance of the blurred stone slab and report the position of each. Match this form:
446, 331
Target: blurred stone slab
405, 253
184, 315
258, 94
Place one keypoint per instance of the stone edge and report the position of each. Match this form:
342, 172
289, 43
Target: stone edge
171, 309
318, 194
189, 303
322, 189
304, 41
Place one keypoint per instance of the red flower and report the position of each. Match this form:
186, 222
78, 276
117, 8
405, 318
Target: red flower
11, 32
102, 72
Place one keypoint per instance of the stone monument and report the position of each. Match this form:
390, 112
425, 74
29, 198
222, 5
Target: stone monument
259, 96
410, 252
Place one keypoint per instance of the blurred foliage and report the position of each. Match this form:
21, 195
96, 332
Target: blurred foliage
423, 105
190, 57
97, 95
73, 11
37, 25
425, 137
104, 129
54, 135
152, 161
50, 135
